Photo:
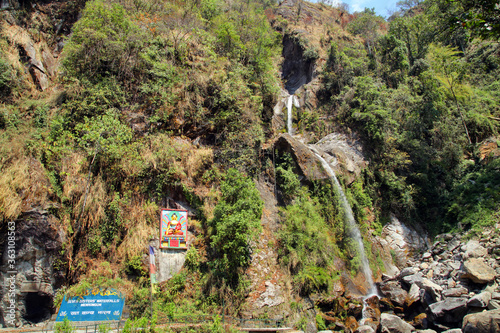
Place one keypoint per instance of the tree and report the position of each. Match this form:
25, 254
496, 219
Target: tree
482, 17
416, 31
236, 222
450, 71
395, 64
368, 25
105, 42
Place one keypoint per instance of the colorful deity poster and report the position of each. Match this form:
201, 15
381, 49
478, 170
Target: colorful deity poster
173, 229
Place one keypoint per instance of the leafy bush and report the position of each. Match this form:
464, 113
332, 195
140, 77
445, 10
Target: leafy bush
87, 99
320, 322
135, 266
286, 178
236, 222
5, 76
105, 134
305, 247
192, 259
105, 42
64, 327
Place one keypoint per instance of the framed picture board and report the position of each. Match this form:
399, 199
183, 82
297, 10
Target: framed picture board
173, 229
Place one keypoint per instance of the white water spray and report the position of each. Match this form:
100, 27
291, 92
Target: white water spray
352, 226
290, 102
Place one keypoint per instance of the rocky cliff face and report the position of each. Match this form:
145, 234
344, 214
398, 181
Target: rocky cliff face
38, 271
34, 34
36, 31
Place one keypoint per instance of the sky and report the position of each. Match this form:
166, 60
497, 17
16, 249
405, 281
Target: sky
382, 7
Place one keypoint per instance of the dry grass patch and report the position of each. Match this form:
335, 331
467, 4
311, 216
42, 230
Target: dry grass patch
95, 206
73, 176
23, 179
141, 223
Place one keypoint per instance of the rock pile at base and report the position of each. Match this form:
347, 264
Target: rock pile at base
453, 287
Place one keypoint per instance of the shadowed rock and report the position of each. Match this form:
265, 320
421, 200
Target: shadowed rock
449, 311
482, 322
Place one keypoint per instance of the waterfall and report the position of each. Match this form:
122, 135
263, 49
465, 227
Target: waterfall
352, 226
291, 101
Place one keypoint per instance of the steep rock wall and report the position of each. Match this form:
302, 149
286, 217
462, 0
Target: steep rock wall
38, 270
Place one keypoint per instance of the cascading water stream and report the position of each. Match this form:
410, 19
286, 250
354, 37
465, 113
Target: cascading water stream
289, 104
354, 233
351, 224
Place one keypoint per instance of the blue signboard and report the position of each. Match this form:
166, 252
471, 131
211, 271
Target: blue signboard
92, 305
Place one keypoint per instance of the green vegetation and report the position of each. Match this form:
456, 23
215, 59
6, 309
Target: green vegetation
157, 102
423, 106
64, 327
236, 222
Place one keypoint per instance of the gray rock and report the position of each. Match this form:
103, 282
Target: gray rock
305, 159
455, 264
445, 237
474, 250
36, 68
410, 279
403, 240
347, 153
449, 311
455, 292
454, 244
480, 301
432, 288
482, 322
414, 292
395, 293
50, 63
407, 271
494, 304
364, 329
478, 271
393, 324
38, 246
453, 330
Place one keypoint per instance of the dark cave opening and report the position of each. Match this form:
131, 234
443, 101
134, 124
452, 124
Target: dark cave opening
38, 307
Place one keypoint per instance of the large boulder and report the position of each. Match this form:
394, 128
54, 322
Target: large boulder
478, 271
432, 288
393, 324
393, 291
474, 250
403, 241
36, 68
346, 154
482, 322
307, 163
449, 311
